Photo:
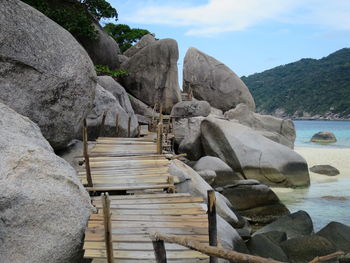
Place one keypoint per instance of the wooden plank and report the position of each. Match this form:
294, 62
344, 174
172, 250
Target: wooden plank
127, 224
98, 181
147, 230
145, 196
182, 211
126, 176
151, 170
158, 218
167, 200
130, 246
127, 187
194, 206
187, 260
125, 254
98, 236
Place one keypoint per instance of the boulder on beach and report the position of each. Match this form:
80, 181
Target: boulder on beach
262, 246
294, 225
253, 155
278, 130
43, 206
45, 74
306, 248
104, 50
324, 169
255, 201
338, 234
153, 74
193, 108
212, 81
224, 173
106, 103
324, 137
187, 133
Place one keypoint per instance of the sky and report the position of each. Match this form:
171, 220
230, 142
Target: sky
249, 36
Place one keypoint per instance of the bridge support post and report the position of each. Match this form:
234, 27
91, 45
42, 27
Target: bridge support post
117, 124
212, 228
159, 251
129, 127
102, 125
86, 155
107, 227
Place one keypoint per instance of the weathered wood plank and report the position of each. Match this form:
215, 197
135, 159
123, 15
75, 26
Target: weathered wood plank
127, 224
157, 218
166, 200
128, 187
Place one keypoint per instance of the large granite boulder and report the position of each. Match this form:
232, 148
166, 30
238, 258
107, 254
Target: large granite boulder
145, 41
338, 234
324, 137
255, 201
106, 102
153, 74
193, 108
224, 173
104, 50
212, 81
278, 130
255, 156
43, 206
45, 74
191, 182
260, 245
294, 225
187, 133
304, 249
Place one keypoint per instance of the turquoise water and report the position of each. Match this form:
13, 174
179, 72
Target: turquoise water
306, 129
314, 199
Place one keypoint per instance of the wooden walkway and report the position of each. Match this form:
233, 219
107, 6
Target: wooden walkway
149, 203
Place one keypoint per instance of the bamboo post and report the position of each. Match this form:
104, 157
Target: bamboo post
86, 155
117, 124
159, 138
102, 125
129, 127
171, 188
159, 251
211, 251
190, 95
107, 226
212, 226
139, 130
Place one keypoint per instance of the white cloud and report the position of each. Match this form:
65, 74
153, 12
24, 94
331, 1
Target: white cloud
217, 16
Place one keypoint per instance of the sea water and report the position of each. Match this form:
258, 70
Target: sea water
324, 201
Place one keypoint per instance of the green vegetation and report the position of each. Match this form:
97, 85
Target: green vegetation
124, 35
75, 15
308, 85
102, 70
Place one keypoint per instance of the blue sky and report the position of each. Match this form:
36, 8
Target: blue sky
249, 36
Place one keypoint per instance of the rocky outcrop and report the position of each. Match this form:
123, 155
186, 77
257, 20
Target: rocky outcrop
294, 225
278, 130
253, 155
193, 108
324, 169
338, 234
255, 201
324, 137
305, 249
106, 102
188, 137
212, 81
224, 173
145, 41
191, 182
43, 206
104, 50
153, 74
262, 246
44, 72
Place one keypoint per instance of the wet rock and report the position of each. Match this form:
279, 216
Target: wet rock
324, 169
324, 137
262, 246
338, 234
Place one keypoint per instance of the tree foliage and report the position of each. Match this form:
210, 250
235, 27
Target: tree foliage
124, 35
75, 15
308, 85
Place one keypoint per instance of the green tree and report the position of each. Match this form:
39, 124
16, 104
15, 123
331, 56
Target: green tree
124, 35
76, 16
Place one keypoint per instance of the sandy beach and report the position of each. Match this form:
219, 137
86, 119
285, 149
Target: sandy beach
337, 157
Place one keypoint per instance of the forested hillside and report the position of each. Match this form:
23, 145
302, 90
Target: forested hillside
314, 86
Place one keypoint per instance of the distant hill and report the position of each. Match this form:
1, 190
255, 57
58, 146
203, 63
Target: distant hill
306, 87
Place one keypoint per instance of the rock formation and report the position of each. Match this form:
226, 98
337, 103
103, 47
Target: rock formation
251, 154
153, 74
44, 72
194, 108
324, 137
324, 169
212, 81
145, 41
43, 206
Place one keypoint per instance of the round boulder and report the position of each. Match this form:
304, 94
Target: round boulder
324, 169
338, 233
324, 137
193, 108
45, 74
